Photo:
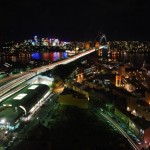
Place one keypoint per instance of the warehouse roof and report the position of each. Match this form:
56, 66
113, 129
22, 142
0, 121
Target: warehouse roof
28, 96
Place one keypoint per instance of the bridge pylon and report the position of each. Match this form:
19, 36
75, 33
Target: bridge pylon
99, 46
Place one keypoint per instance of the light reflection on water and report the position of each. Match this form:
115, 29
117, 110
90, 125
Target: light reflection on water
36, 56
48, 56
136, 59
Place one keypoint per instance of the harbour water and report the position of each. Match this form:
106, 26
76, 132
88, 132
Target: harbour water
35, 57
136, 59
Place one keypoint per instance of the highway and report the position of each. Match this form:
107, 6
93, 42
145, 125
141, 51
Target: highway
133, 144
10, 85
28, 75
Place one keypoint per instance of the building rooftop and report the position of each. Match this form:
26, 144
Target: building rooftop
27, 97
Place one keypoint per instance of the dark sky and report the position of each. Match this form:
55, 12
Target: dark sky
75, 19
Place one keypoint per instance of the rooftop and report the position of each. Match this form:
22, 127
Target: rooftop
28, 96
9, 114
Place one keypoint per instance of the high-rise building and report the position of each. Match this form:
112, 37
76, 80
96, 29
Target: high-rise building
36, 43
118, 80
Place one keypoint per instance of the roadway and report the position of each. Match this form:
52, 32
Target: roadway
114, 121
121, 131
28, 75
134, 145
16, 82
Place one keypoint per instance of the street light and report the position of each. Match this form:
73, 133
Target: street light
3, 121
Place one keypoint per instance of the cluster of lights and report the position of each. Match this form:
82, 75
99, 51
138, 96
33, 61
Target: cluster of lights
48, 42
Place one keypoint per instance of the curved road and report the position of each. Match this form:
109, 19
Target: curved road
121, 131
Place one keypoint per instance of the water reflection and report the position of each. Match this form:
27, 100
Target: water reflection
35, 56
49, 56
135, 58
46, 56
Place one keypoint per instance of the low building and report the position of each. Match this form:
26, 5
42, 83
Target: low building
81, 88
139, 108
28, 98
23, 104
85, 71
129, 120
144, 129
73, 98
139, 126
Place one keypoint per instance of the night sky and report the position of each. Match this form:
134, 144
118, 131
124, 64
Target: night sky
75, 19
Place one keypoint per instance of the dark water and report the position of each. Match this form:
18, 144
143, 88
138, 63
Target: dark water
23, 59
136, 59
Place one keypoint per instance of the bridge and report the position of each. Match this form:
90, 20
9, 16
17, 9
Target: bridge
28, 75
7, 88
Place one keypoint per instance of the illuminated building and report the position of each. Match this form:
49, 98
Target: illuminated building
55, 42
137, 125
90, 69
45, 42
85, 71
35, 40
22, 105
121, 72
87, 45
79, 77
118, 80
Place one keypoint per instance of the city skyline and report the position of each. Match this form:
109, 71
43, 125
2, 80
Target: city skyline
74, 75
75, 20
74, 95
